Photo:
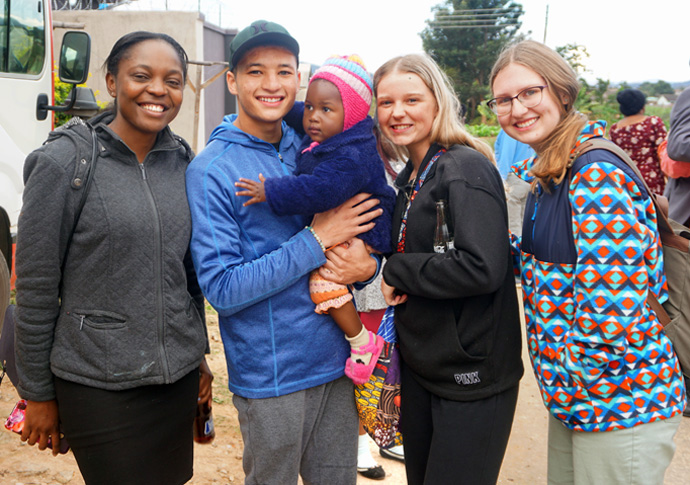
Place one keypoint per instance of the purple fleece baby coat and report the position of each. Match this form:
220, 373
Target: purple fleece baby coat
333, 172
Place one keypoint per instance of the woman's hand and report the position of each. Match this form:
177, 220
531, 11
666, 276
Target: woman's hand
391, 295
347, 220
41, 422
205, 381
349, 263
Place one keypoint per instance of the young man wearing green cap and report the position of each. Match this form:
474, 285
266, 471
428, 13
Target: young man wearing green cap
285, 362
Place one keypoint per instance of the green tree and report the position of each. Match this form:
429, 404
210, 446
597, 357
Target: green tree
656, 89
594, 101
465, 38
575, 55
61, 91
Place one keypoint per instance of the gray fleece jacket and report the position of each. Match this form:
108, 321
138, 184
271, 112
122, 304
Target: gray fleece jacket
130, 312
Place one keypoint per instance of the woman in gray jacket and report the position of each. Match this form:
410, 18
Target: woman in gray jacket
110, 349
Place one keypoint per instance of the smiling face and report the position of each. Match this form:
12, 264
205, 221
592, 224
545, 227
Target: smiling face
147, 89
406, 109
265, 82
324, 115
527, 125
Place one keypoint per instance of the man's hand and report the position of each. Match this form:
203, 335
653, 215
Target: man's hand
349, 263
346, 221
41, 422
253, 189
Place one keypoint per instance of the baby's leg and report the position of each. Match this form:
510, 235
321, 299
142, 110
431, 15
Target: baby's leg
365, 346
347, 319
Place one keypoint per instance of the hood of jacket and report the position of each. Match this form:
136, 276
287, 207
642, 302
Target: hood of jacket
227, 132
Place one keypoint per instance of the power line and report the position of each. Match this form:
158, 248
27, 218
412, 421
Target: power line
475, 19
469, 21
478, 26
478, 15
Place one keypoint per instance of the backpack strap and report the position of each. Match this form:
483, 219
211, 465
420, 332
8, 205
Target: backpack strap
660, 202
188, 150
668, 236
89, 170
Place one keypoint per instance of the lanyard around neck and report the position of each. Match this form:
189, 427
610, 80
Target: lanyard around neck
418, 185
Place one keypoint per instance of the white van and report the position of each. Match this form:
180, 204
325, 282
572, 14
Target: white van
26, 81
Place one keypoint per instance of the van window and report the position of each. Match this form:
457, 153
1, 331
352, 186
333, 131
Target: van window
22, 29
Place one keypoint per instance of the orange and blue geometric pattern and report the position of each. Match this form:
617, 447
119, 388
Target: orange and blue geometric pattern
599, 354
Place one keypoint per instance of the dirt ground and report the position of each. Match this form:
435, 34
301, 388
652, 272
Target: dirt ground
221, 461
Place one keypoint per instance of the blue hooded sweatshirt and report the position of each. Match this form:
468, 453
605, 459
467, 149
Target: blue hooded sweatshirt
253, 267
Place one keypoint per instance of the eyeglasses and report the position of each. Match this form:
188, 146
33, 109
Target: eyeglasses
528, 97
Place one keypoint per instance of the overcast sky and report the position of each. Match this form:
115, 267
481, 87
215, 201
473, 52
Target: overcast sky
628, 40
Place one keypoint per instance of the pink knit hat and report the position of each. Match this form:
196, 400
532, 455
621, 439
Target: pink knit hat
353, 82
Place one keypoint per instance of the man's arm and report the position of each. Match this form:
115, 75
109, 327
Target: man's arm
678, 147
232, 283
229, 281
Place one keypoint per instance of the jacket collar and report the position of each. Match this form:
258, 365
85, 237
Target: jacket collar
227, 131
402, 181
592, 129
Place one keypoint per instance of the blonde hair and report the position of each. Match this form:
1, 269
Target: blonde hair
552, 162
447, 129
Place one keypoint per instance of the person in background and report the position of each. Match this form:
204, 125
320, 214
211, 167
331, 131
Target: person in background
640, 136
285, 361
456, 311
112, 348
589, 254
509, 152
678, 189
371, 305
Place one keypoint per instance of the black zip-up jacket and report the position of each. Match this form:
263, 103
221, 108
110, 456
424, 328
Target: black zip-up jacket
459, 330
130, 312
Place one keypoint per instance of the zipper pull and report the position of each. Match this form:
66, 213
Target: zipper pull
81, 324
536, 202
143, 170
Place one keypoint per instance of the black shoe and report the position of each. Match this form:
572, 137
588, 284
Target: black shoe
389, 454
374, 473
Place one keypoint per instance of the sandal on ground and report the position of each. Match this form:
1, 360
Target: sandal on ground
358, 371
374, 473
394, 453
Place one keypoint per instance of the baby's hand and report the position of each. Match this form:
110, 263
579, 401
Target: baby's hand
253, 189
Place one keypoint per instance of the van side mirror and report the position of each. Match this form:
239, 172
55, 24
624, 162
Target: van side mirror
75, 54
74, 57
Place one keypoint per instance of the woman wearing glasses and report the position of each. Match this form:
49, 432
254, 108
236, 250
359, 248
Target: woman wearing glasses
457, 311
590, 253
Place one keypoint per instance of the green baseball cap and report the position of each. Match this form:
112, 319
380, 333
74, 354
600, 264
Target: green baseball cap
260, 33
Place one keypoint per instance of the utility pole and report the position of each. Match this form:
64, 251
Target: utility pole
199, 86
546, 21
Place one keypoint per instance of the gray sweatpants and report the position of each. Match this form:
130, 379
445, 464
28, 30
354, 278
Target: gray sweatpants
312, 433
631, 456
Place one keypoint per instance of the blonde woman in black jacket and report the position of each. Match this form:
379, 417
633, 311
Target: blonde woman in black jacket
457, 312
